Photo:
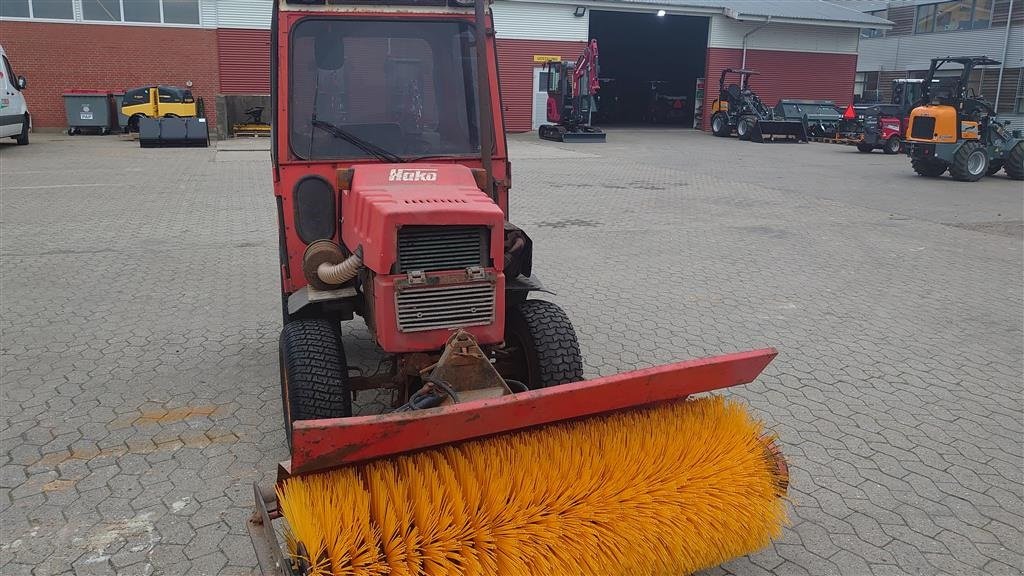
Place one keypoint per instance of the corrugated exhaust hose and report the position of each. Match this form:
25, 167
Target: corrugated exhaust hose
340, 273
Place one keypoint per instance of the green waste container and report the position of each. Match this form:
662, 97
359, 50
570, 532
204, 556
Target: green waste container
88, 111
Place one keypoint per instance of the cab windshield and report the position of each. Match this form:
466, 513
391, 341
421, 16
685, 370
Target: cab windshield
405, 87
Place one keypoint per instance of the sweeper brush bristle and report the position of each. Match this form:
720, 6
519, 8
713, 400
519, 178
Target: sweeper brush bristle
665, 490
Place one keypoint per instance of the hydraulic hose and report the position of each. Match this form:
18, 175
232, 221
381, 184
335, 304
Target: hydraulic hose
341, 272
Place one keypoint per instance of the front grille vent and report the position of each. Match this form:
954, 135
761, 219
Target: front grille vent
445, 307
923, 128
435, 248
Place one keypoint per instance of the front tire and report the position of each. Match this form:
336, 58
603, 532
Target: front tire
314, 374
542, 346
892, 145
862, 147
720, 125
1014, 166
970, 163
744, 126
928, 168
22, 139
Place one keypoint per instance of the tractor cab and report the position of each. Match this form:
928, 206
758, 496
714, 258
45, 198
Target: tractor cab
952, 128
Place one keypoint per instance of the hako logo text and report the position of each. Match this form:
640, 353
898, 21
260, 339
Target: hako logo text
403, 175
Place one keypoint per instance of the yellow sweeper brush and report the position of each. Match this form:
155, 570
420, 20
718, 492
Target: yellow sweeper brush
618, 475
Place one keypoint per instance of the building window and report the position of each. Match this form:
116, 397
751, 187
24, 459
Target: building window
102, 10
875, 32
955, 15
48, 9
181, 11
865, 87
142, 11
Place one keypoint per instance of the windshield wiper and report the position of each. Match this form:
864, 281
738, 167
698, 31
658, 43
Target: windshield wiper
368, 147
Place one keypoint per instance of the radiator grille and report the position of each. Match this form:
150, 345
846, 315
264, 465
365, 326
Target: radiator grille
923, 128
445, 307
434, 248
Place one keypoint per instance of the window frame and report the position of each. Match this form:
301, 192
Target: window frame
934, 17
78, 16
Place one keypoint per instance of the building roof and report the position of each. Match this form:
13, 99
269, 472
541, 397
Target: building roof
792, 11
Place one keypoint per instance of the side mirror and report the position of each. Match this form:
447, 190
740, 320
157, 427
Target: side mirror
22, 83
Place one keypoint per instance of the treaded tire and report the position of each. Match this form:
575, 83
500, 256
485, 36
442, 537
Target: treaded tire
22, 139
1014, 166
314, 374
743, 127
994, 166
549, 346
959, 168
929, 168
722, 128
865, 147
892, 145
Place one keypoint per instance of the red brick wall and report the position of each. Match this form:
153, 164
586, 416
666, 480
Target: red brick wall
57, 57
515, 69
810, 75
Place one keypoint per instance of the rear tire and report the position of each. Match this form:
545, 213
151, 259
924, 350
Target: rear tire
1014, 166
994, 166
314, 374
892, 145
928, 168
22, 139
862, 147
970, 163
546, 352
720, 125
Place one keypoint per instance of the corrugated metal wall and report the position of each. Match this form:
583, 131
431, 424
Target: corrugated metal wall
244, 61
534, 21
915, 52
244, 13
515, 68
728, 33
819, 76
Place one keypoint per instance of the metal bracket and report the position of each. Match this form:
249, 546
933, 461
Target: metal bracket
264, 542
416, 278
308, 295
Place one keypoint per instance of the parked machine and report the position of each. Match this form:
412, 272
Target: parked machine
881, 126
158, 102
572, 88
957, 130
665, 105
739, 108
820, 116
254, 126
496, 457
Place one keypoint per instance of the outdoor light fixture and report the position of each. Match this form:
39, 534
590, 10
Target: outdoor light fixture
661, 13
579, 11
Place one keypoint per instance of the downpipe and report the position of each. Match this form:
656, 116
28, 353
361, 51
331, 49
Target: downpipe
743, 64
1006, 52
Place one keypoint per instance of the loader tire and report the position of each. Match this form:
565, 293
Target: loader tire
545, 349
994, 166
929, 168
744, 126
970, 163
1014, 166
720, 125
862, 147
314, 374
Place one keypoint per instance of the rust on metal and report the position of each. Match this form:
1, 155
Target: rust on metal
323, 444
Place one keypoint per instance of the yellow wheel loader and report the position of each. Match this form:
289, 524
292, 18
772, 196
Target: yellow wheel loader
954, 129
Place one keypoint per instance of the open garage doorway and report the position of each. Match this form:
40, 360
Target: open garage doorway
649, 67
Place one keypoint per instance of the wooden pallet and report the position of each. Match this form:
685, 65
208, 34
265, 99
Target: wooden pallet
845, 141
251, 134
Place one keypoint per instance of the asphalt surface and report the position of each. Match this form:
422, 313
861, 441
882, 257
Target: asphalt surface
139, 310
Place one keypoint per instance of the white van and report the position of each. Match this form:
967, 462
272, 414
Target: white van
14, 118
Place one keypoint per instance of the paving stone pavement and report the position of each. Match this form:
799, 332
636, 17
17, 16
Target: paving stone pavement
139, 317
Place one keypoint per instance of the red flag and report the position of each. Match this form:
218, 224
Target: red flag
849, 113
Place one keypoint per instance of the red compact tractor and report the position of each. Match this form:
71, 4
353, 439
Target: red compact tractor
391, 178
882, 126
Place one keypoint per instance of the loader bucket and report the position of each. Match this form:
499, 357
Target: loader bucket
769, 130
